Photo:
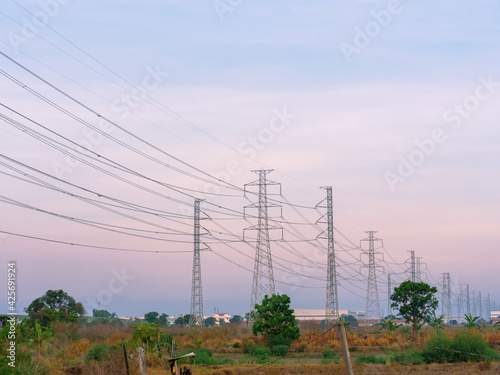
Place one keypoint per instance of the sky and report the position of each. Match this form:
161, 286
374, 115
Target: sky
392, 103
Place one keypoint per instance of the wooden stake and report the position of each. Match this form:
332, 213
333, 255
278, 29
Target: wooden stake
142, 362
126, 359
345, 348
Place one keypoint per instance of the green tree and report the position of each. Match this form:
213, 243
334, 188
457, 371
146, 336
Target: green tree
210, 321
162, 320
349, 320
102, 314
436, 322
146, 332
471, 322
181, 321
151, 317
236, 319
54, 306
389, 325
275, 320
415, 302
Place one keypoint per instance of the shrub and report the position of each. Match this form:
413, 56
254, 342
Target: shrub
99, 352
280, 350
260, 352
466, 346
410, 356
329, 356
371, 359
204, 356
274, 340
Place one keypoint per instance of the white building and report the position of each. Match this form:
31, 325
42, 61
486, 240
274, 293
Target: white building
319, 314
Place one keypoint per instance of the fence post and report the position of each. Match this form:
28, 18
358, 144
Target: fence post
345, 348
126, 359
142, 362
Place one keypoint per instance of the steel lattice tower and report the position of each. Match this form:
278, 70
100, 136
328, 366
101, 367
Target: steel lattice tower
332, 304
474, 303
389, 293
467, 299
372, 301
196, 317
488, 307
418, 275
263, 276
480, 304
413, 272
446, 297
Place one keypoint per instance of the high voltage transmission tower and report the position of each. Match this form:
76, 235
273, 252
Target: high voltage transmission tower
474, 303
467, 299
418, 274
372, 301
196, 317
446, 297
488, 307
389, 293
480, 304
413, 268
263, 276
332, 304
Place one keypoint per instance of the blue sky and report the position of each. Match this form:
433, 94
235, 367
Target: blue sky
353, 122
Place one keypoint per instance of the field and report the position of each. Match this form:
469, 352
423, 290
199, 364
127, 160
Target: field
232, 349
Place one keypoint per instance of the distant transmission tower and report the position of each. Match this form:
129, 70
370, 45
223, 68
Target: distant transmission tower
488, 307
372, 301
467, 299
332, 304
389, 293
413, 267
263, 277
196, 317
480, 304
474, 303
446, 297
418, 274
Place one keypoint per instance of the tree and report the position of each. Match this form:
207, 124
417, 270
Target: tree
151, 317
54, 306
210, 321
236, 319
471, 322
349, 320
436, 322
389, 325
102, 314
146, 332
275, 320
415, 302
181, 321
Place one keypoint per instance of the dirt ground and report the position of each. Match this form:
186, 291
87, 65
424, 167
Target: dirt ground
434, 369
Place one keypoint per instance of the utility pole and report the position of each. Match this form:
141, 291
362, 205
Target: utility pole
372, 301
332, 304
263, 276
446, 297
196, 316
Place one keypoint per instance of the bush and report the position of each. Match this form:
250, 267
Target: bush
371, 359
329, 356
466, 346
204, 356
411, 356
260, 352
280, 350
99, 352
274, 340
